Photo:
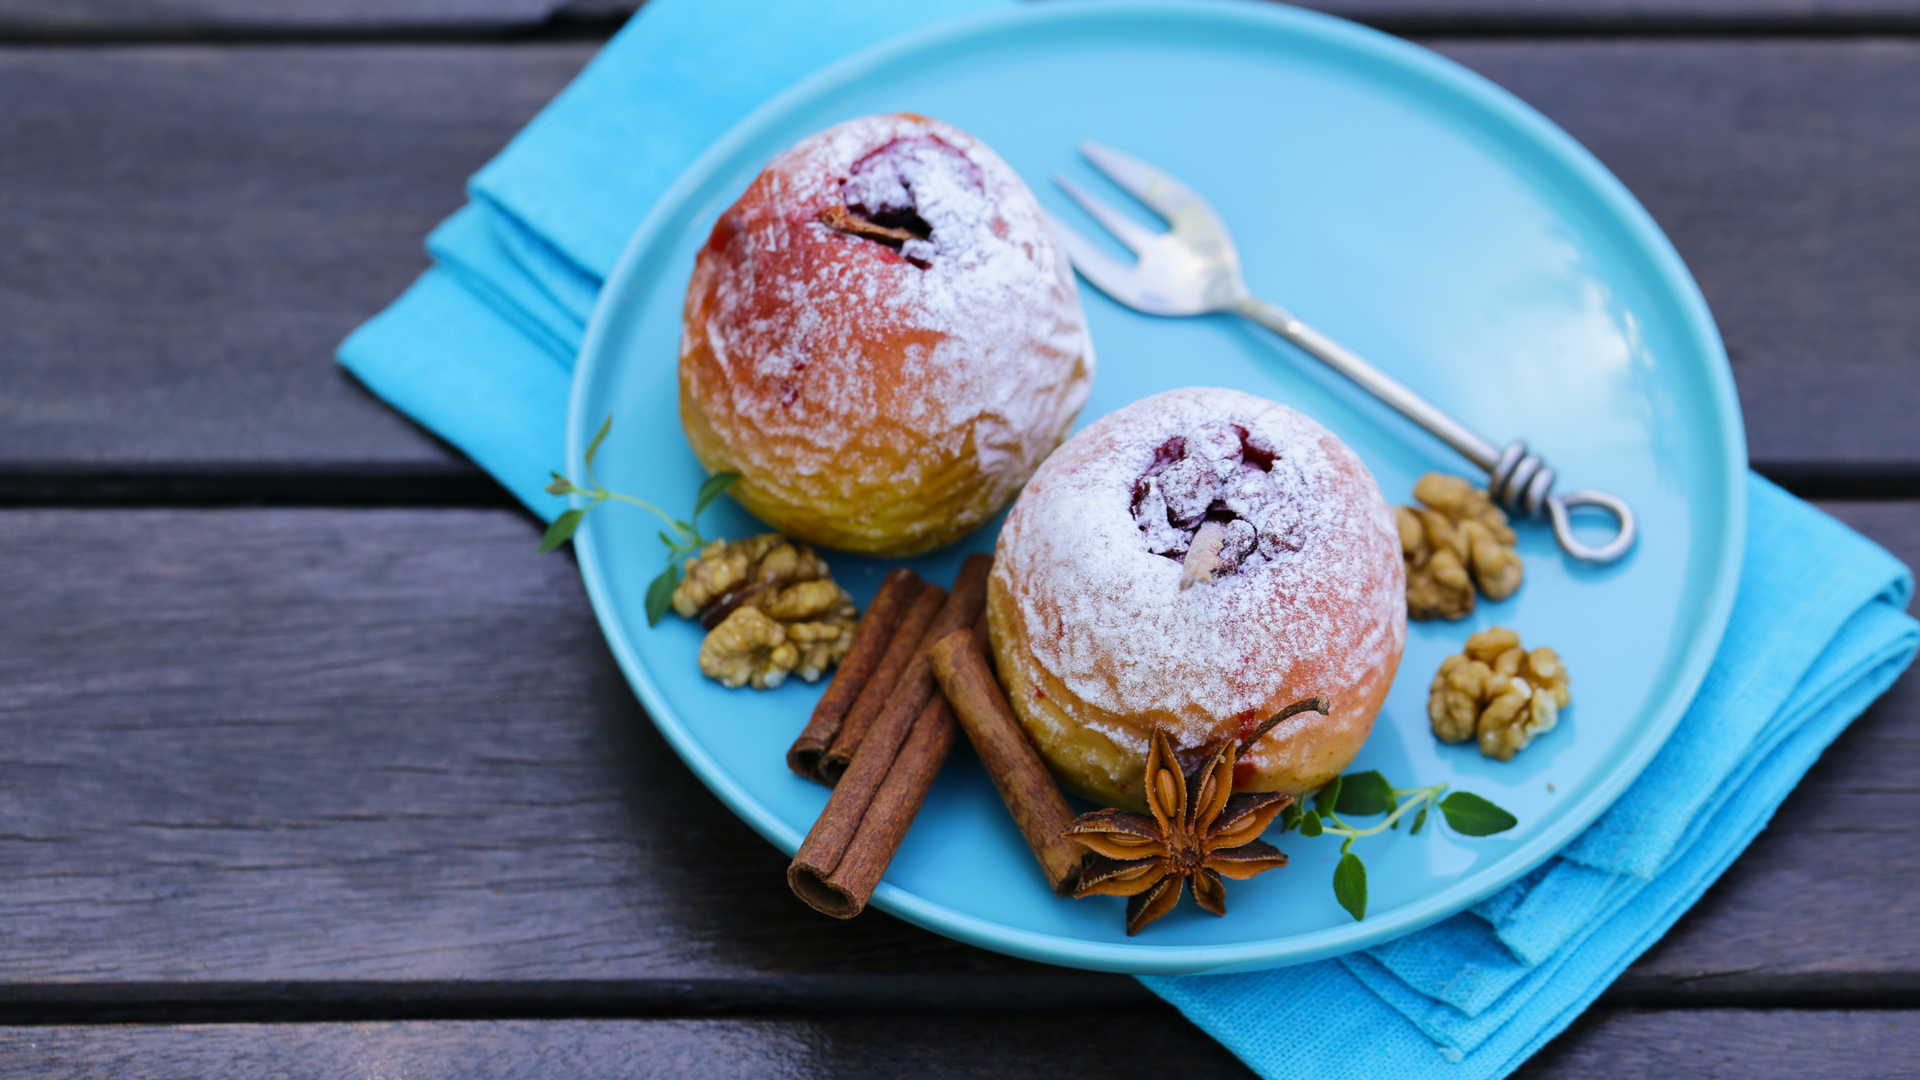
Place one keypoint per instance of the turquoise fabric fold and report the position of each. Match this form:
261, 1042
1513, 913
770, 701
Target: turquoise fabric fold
1819, 629
481, 351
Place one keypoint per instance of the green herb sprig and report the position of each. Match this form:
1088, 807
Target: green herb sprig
682, 542
1368, 793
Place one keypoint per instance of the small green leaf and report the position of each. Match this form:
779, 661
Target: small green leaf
1291, 817
711, 490
1364, 793
594, 446
1471, 815
1350, 885
1327, 799
1310, 823
668, 540
561, 530
560, 486
660, 594
1419, 822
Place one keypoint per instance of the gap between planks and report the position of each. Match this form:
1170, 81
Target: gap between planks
456, 483
350, 24
1059, 993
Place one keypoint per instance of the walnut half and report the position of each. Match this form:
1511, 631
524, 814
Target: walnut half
1499, 692
748, 647
1458, 540
772, 610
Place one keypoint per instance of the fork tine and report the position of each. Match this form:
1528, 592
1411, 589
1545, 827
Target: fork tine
1123, 228
1170, 198
1107, 273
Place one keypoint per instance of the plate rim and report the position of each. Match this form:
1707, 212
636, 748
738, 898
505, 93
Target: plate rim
1141, 958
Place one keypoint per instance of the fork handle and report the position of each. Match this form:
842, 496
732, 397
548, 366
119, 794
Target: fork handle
1374, 381
1518, 480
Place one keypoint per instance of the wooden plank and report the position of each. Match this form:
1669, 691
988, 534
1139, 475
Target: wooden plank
173, 19
1093, 1047
379, 765
1727, 1044
288, 756
1606, 1044
265, 200
41, 20
195, 229
1642, 18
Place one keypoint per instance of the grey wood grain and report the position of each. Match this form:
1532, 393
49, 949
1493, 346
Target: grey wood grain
270, 747
378, 764
1727, 1044
125, 19
191, 231
1629, 17
165, 15
1090, 1047
1605, 1044
194, 230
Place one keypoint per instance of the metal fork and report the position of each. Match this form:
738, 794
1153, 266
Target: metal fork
1193, 269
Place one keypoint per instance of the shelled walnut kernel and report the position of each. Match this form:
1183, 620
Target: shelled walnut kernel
771, 610
1457, 541
1498, 691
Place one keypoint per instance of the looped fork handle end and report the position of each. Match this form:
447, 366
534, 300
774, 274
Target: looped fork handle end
1612, 550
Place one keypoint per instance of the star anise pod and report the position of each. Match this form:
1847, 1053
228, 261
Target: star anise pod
1200, 831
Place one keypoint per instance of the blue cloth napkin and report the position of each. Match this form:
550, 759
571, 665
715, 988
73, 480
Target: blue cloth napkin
481, 350
1819, 630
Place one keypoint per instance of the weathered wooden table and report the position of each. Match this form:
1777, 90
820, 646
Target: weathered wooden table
310, 767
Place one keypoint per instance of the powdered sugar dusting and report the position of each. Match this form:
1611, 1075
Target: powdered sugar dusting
968, 342
1311, 585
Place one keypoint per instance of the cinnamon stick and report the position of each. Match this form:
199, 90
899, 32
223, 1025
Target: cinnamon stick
839, 834
844, 892
915, 684
870, 641
1021, 777
899, 653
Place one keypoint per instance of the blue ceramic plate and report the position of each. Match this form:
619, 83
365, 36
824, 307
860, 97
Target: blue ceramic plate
1399, 202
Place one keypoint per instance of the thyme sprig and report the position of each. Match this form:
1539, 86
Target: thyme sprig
682, 538
1368, 793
